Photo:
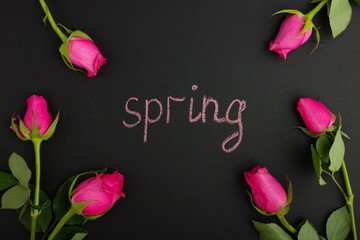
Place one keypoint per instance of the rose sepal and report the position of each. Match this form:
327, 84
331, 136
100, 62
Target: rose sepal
286, 208
261, 211
51, 129
310, 134
79, 207
24, 134
92, 218
21, 131
333, 129
310, 25
330, 129
292, 11
71, 191
78, 33
35, 132
68, 31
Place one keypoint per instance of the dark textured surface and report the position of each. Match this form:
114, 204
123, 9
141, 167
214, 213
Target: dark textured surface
180, 184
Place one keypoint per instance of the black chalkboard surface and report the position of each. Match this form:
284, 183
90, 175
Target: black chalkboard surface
180, 182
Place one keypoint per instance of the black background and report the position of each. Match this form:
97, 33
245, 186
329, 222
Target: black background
180, 184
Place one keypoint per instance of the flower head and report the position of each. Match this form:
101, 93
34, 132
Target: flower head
101, 191
316, 116
289, 37
84, 53
36, 106
267, 192
80, 50
37, 111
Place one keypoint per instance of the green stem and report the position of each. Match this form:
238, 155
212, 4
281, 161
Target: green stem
52, 22
316, 9
337, 183
349, 200
286, 224
35, 213
62, 222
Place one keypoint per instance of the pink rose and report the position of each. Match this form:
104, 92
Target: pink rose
102, 190
84, 53
288, 37
316, 116
36, 107
268, 194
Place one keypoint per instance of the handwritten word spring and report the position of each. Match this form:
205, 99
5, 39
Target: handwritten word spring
239, 105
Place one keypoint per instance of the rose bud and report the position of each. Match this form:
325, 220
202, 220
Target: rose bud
316, 116
37, 107
36, 110
289, 37
101, 191
79, 49
267, 192
85, 54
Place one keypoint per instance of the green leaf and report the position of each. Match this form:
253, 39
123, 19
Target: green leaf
308, 232
79, 236
316, 1
323, 146
340, 16
44, 218
51, 129
344, 134
357, 1
14, 198
71, 233
6, 180
338, 224
270, 231
317, 165
328, 7
337, 151
23, 209
61, 202
19, 169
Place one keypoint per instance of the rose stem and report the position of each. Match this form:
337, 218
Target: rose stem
52, 22
35, 212
286, 224
349, 199
62, 222
316, 9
